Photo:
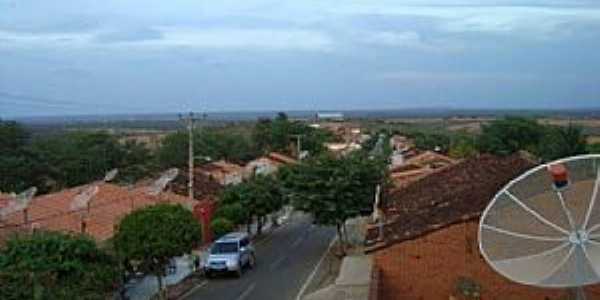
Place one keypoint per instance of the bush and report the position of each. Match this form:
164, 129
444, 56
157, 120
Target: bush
221, 226
51, 265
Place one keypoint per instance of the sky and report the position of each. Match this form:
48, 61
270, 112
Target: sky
68, 57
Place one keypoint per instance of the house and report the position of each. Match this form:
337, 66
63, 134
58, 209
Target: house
428, 248
268, 164
110, 204
225, 173
417, 167
335, 117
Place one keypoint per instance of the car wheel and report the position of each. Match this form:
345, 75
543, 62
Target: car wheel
238, 272
252, 261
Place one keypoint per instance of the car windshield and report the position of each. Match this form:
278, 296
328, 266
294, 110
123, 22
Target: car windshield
220, 248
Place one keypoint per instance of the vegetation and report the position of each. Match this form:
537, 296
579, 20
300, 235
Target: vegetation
209, 144
594, 148
148, 238
47, 265
66, 160
508, 135
250, 200
333, 189
221, 226
280, 134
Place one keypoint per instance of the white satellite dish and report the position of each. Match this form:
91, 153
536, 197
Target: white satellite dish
82, 200
161, 183
110, 175
543, 228
19, 202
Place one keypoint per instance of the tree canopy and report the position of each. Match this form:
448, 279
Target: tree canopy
255, 198
334, 189
280, 134
511, 134
51, 265
151, 236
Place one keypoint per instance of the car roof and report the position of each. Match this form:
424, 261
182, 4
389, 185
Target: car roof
234, 236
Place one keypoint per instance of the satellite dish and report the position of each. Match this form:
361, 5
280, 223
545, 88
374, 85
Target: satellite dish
543, 228
82, 200
110, 175
19, 202
161, 183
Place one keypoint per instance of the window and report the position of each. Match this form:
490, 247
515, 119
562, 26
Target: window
228, 247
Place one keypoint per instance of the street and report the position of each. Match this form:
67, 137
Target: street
285, 260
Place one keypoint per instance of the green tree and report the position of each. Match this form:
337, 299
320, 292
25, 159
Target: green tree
255, 198
20, 168
279, 134
208, 143
334, 189
136, 162
221, 226
593, 148
151, 236
559, 142
47, 265
511, 134
78, 157
463, 146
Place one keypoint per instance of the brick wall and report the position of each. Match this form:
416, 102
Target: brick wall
375, 287
428, 268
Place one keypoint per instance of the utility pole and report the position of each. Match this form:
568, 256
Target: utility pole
189, 123
298, 145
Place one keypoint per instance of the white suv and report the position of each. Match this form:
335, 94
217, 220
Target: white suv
231, 253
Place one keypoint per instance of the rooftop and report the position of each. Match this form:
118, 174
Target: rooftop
109, 205
452, 194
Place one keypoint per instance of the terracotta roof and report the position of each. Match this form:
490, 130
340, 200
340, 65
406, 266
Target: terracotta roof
282, 158
109, 205
449, 195
222, 171
430, 157
418, 167
205, 186
4, 198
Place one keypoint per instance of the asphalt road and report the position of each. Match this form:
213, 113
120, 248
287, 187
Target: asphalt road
285, 260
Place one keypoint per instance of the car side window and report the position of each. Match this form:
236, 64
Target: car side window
244, 243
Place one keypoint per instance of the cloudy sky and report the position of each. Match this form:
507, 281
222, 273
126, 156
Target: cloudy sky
115, 56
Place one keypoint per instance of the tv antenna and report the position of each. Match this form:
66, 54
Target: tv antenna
19, 202
110, 175
161, 183
83, 199
543, 228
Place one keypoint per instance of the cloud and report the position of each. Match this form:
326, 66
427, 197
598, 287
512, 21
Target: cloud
249, 39
164, 37
409, 40
452, 77
132, 35
542, 21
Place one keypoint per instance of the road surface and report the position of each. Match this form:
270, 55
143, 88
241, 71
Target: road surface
285, 260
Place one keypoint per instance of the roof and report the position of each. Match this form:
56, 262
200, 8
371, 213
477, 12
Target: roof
418, 167
233, 236
109, 205
205, 186
446, 196
430, 157
223, 172
282, 158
